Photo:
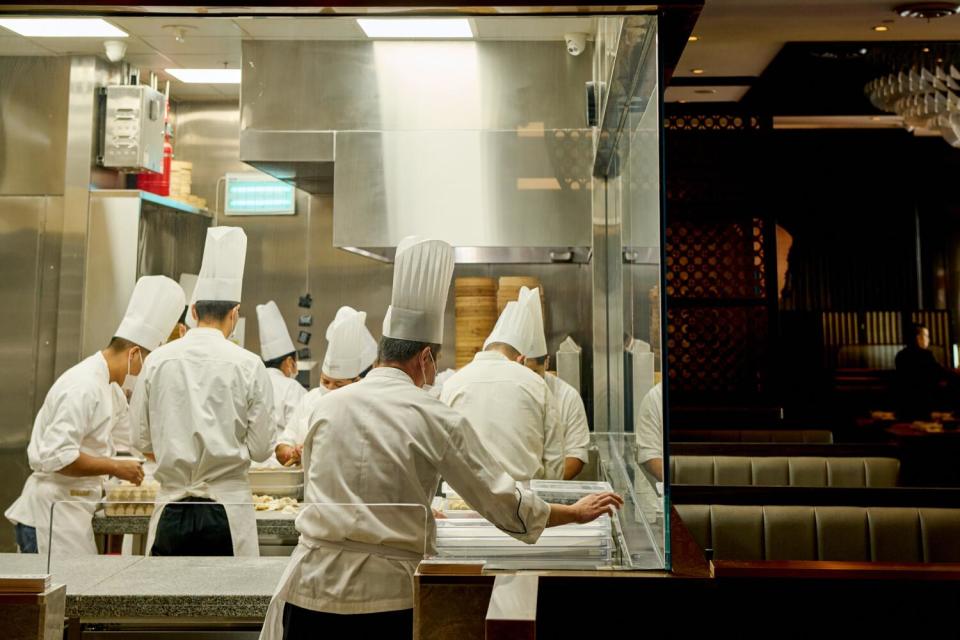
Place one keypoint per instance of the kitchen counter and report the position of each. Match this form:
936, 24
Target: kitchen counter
272, 523
128, 588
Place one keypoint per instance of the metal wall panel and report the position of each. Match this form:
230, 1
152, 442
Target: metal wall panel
21, 239
280, 248
86, 75
469, 188
33, 124
410, 86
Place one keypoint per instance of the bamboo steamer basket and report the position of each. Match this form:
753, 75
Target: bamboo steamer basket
475, 306
474, 287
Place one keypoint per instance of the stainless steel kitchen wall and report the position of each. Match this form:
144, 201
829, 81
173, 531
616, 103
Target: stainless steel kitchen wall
33, 121
479, 143
286, 255
33, 129
280, 248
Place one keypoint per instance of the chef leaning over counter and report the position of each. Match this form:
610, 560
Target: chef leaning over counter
373, 460
510, 406
204, 407
351, 352
280, 357
72, 440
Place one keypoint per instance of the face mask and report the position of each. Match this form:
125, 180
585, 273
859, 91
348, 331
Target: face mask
423, 372
130, 380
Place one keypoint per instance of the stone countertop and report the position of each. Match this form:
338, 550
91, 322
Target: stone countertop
195, 587
133, 587
271, 523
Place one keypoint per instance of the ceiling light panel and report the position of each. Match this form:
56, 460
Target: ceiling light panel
206, 76
62, 27
416, 28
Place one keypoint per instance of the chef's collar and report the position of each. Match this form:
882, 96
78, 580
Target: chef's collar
389, 372
491, 355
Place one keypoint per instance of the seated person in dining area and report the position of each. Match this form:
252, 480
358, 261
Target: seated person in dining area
922, 383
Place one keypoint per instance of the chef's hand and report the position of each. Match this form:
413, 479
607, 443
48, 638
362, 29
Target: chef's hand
129, 470
589, 508
287, 455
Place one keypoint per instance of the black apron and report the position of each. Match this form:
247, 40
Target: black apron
193, 530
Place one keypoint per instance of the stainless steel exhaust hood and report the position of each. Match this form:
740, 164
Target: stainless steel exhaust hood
482, 144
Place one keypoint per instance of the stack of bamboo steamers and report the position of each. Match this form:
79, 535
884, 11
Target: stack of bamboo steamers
479, 301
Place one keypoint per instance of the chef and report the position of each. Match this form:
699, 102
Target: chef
351, 351
72, 440
204, 407
280, 357
570, 409
649, 428
377, 448
509, 405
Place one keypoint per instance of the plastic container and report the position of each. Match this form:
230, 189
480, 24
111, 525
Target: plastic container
280, 483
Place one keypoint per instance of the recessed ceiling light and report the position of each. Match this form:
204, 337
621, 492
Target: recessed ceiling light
206, 76
926, 49
62, 27
682, 101
693, 38
939, 60
422, 28
696, 72
880, 28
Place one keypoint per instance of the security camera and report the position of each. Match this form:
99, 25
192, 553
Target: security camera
115, 49
576, 43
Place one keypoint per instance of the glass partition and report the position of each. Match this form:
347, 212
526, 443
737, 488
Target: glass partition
630, 160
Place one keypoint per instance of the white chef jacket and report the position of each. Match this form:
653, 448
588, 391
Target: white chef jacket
573, 417
649, 426
385, 441
513, 412
204, 407
294, 431
77, 415
287, 394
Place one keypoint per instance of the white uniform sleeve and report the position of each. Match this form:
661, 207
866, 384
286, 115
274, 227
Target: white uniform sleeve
291, 401
576, 429
483, 483
649, 426
140, 414
122, 435
58, 443
553, 438
261, 420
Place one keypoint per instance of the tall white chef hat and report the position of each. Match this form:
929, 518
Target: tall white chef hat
421, 280
188, 282
350, 347
274, 338
221, 272
153, 310
513, 328
530, 299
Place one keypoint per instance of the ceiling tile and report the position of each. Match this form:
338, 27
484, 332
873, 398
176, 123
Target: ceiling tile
21, 47
89, 45
196, 27
205, 61
168, 45
302, 28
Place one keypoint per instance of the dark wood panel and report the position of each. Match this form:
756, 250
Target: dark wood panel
824, 570
815, 496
